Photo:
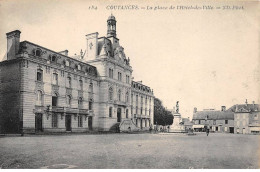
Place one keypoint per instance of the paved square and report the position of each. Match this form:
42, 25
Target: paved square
130, 151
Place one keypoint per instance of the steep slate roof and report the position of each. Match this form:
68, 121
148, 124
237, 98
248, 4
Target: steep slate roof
248, 107
213, 115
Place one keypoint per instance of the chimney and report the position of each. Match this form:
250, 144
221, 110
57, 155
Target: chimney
92, 46
65, 52
13, 43
223, 108
195, 110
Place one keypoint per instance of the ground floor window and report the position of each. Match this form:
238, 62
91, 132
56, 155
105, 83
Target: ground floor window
126, 113
54, 120
80, 123
237, 130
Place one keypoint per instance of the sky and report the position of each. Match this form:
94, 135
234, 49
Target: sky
201, 58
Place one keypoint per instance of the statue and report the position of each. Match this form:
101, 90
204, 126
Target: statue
177, 107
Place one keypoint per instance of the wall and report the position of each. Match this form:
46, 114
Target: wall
10, 111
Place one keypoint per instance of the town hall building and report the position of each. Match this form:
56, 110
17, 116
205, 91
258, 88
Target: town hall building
46, 91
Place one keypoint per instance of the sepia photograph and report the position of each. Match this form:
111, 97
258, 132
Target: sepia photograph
110, 84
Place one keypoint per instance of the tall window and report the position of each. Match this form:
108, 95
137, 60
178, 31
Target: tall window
141, 110
149, 112
39, 75
55, 78
110, 93
54, 120
127, 79
80, 84
90, 104
226, 121
119, 95
119, 76
55, 100
111, 73
80, 102
69, 99
136, 99
141, 100
132, 98
127, 97
80, 121
69, 82
126, 113
39, 98
91, 87
110, 111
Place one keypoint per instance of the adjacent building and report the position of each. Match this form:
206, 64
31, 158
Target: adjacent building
46, 91
239, 119
246, 118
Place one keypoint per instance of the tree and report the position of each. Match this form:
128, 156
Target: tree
161, 115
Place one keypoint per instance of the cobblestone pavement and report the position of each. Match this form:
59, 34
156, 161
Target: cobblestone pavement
130, 151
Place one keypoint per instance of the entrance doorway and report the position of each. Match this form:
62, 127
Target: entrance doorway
231, 129
90, 122
118, 114
38, 122
68, 122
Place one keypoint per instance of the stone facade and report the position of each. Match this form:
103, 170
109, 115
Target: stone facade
46, 91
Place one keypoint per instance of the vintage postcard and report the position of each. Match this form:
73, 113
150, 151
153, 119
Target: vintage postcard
112, 84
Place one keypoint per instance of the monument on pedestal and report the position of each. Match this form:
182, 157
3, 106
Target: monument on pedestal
177, 126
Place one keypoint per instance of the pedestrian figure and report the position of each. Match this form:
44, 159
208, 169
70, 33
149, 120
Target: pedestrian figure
207, 130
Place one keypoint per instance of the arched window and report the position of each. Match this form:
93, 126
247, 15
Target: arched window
79, 67
127, 97
119, 95
80, 102
110, 93
67, 63
55, 99
39, 98
90, 104
38, 52
53, 58
69, 100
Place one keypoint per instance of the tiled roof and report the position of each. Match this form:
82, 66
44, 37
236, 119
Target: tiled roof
213, 115
241, 107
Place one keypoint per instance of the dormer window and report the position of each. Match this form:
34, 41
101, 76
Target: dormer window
79, 67
67, 63
53, 58
37, 52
